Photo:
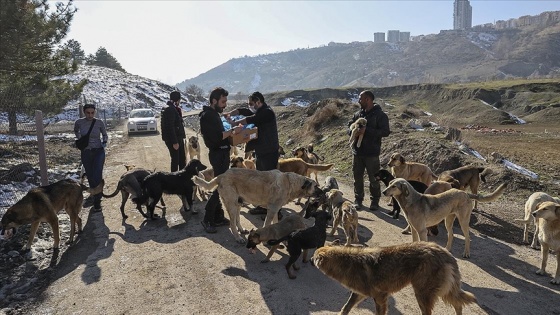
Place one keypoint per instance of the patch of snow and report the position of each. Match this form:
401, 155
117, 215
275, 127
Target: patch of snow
516, 119
514, 167
293, 101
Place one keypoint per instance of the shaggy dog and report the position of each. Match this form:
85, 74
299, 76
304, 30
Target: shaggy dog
268, 189
400, 168
530, 206
312, 237
466, 176
193, 148
547, 216
130, 184
354, 128
423, 210
239, 161
176, 183
42, 204
378, 272
273, 232
344, 211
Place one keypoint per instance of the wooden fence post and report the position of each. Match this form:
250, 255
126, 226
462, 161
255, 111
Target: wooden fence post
41, 147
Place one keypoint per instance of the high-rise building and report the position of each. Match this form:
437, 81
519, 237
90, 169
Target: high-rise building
404, 36
379, 37
393, 36
462, 15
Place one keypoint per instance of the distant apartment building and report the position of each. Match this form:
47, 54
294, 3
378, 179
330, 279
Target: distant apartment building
393, 36
404, 36
462, 15
378, 37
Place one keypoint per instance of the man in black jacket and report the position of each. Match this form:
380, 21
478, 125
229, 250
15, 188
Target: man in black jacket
266, 146
366, 157
173, 131
216, 139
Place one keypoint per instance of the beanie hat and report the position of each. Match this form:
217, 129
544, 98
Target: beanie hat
175, 96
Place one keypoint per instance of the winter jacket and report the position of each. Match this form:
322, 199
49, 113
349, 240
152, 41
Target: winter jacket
212, 128
172, 125
265, 120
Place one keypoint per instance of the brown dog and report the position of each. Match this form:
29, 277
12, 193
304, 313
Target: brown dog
273, 232
268, 189
548, 220
410, 170
239, 161
193, 148
42, 204
344, 211
299, 166
466, 176
423, 210
310, 158
378, 272
354, 127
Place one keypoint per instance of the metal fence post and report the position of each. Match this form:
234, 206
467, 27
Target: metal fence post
41, 147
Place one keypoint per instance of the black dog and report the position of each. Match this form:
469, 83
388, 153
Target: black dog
385, 176
176, 183
312, 237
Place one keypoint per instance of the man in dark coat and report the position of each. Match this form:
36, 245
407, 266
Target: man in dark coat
173, 131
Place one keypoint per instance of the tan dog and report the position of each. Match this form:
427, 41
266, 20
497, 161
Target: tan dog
239, 161
410, 170
423, 210
42, 204
344, 211
310, 158
193, 148
354, 128
548, 220
299, 166
274, 232
435, 188
208, 175
530, 207
377, 272
466, 176
268, 189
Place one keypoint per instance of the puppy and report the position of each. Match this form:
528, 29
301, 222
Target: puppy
273, 232
193, 148
309, 238
547, 216
530, 206
42, 204
344, 211
310, 149
354, 128
239, 161
176, 183
378, 272
400, 168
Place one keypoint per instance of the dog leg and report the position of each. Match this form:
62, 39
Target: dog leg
335, 224
449, 227
304, 258
270, 252
234, 223
381, 303
467, 235
406, 230
535, 242
426, 300
292, 263
556, 279
544, 256
354, 299
124, 198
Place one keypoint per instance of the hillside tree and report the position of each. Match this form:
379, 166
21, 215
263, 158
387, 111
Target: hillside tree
103, 58
32, 60
194, 90
75, 49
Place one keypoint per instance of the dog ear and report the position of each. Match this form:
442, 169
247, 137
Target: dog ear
401, 159
404, 189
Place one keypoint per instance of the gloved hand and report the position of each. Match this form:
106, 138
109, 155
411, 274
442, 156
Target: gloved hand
104, 144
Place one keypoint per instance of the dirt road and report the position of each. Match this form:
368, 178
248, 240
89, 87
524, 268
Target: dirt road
171, 266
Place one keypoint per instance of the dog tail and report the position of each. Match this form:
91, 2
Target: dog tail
492, 197
96, 190
199, 181
319, 167
113, 194
483, 171
278, 241
455, 296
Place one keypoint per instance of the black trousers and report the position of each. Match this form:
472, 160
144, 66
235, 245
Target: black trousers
267, 161
178, 157
219, 159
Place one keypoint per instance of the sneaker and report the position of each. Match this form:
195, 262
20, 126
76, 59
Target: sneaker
222, 222
208, 227
359, 203
88, 202
258, 210
374, 206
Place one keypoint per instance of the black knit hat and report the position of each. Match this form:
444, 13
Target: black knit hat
175, 96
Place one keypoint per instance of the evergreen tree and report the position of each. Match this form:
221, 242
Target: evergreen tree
30, 63
103, 58
75, 49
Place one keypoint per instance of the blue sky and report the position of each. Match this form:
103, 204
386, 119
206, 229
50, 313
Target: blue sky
172, 41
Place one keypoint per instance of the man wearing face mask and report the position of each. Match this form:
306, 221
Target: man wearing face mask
216, 139
266, 145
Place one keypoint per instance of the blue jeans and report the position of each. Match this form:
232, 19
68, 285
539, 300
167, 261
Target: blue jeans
93, 161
